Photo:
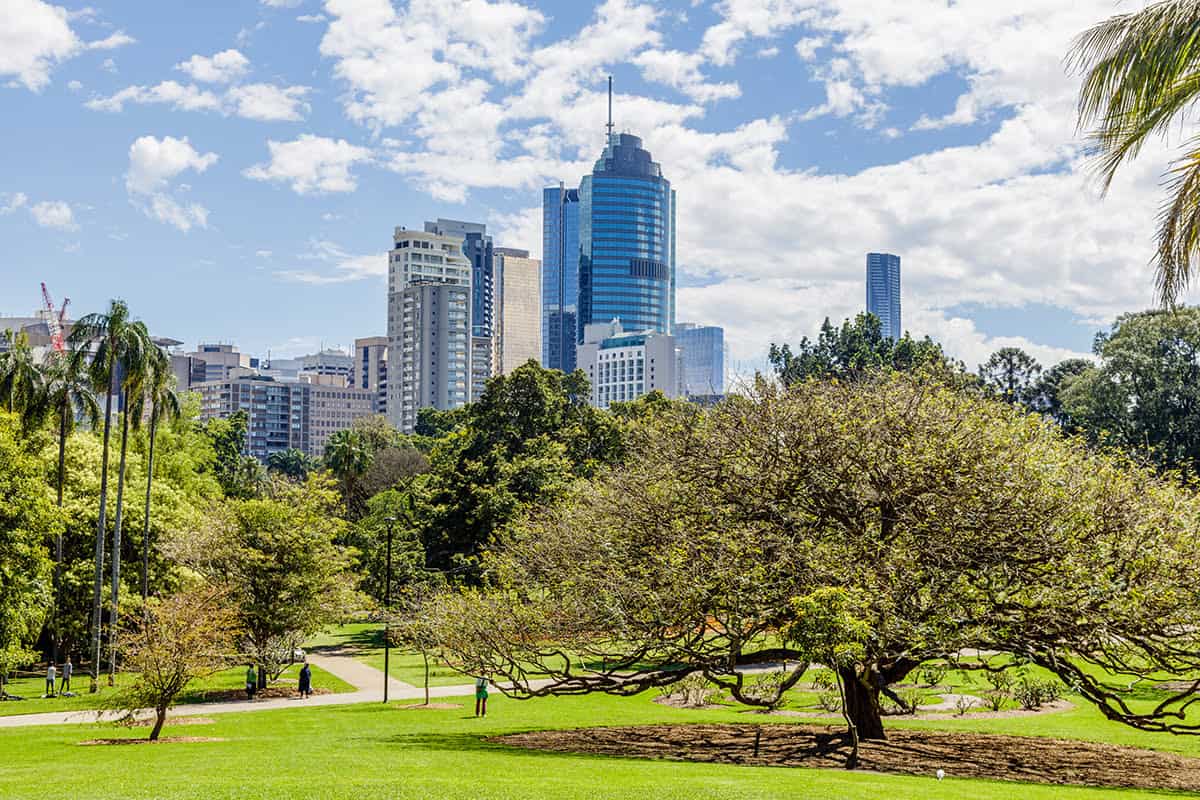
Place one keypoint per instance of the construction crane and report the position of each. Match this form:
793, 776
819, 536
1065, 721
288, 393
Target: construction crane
54, 321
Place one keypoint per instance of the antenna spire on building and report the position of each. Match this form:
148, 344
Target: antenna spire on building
610, 125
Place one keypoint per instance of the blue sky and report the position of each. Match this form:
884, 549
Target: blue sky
234, 170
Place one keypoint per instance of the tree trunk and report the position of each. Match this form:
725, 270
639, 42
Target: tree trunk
58, 539
116, 548
262, 676
862, 705
98, 585
160, 717
425, 655
146, 515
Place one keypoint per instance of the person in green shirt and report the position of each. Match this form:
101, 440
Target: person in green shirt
481, 695
251, 682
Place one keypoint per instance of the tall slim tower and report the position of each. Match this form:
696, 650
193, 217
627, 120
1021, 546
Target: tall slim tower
560, 276
626, 240
883, 291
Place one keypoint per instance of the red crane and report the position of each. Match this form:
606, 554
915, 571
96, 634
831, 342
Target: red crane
54, 321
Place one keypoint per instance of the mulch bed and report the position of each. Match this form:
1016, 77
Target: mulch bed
160, 740
226, 695
911, 752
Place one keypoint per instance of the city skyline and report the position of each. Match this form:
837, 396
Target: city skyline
233, 180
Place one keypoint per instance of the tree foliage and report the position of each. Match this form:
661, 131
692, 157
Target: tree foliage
855, 349
1012, 375
952, 521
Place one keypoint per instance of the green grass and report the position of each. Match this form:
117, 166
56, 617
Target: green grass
32, 688
364, 641
351, 752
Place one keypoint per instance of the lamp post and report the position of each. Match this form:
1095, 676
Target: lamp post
387, 608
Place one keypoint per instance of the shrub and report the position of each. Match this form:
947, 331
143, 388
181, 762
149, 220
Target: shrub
767, 689
694, 691
996, 698
963, 704
933, 674
830, 700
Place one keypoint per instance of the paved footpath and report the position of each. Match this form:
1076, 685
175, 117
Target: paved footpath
367, 682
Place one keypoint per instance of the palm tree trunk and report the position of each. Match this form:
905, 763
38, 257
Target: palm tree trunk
146, 514
58, 539
98, 585
116, 548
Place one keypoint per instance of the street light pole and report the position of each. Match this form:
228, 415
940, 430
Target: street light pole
387, 609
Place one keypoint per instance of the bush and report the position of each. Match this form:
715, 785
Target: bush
1032, 693
767, 690
694, 691
830, 700
933, 674
963, 704
996, 698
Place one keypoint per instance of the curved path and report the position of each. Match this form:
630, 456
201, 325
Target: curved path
367, 682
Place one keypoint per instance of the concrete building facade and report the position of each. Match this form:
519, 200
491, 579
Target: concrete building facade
624, 366
219, 360
370, 368
429, 350
519, 322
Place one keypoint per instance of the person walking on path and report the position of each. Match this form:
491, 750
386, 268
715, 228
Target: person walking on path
67, 669
306, 680
481, 695
51, 675
251, 682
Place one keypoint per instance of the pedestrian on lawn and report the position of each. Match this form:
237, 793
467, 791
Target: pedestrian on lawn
251, 682
51, 676
306, 680
67, 669
481, 695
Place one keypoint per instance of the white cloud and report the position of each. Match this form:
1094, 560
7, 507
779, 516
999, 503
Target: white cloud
682, 71
263, 253
223, 67
282, 3
311, 18
345, 266
181, 97
153, 163
54, 214
74, 86
267, 102
311, 164
11, 202
36, 36
109, 65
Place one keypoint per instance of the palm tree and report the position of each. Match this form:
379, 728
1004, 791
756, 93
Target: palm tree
110, 336
348, 457
1141, 76
20, 377
66, 396
158, 392
135, 362
293, 463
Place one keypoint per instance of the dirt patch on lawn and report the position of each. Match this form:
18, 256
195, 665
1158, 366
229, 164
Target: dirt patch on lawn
160, 740
147, 721
430, 706
270, 693
961, 755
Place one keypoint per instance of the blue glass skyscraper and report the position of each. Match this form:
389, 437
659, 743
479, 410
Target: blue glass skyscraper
626, 241
560, 276
703, 349
883, 291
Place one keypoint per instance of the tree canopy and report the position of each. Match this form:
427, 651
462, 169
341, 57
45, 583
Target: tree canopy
948, 521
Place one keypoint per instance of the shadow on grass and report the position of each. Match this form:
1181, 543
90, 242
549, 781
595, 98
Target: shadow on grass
359, 641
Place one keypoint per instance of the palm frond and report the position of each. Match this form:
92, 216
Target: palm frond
1179, 227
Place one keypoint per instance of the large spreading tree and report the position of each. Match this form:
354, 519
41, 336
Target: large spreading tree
942, 520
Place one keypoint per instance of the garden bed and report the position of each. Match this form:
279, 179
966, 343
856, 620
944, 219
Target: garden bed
912, 752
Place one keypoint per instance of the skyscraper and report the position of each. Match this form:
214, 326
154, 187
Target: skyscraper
626, 241
478, 249
703, 358
518, 309
883, 291
560, 276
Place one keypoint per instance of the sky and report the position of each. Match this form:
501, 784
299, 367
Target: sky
234, 171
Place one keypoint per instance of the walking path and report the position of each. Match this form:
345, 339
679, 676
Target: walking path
367, 682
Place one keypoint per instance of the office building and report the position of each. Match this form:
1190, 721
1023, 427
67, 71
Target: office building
626, 240
370, 368
219, 361
481, 364
429, 350
624, 366
284, 414
478, 249
325, 363
883, 291
560, 277
703, 349
518, 310
429, 325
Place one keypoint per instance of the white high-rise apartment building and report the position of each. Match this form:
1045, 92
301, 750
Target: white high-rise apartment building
429, 325
624, 366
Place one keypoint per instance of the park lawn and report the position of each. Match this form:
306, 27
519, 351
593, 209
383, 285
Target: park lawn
234, 678
371, 750
364, 641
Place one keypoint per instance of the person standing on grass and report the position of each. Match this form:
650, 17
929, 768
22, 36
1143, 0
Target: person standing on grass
251, 682
51, 675
481, 695
67, 669
305, 680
